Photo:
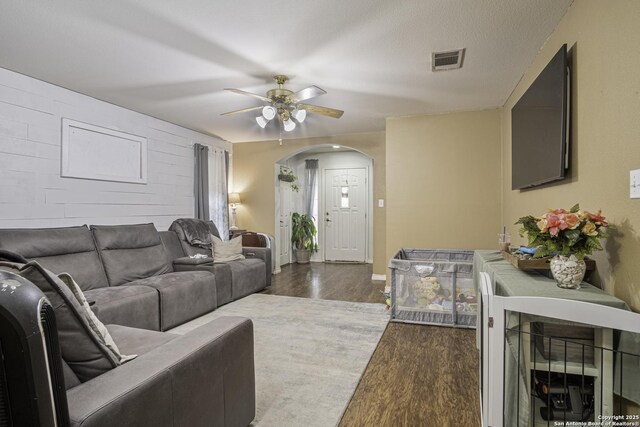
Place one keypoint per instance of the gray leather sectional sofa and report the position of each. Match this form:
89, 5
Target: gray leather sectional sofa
141, 282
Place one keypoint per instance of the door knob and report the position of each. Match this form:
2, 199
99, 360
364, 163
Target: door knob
328, 220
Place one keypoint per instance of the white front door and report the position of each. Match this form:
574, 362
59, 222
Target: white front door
344, 217
285, 223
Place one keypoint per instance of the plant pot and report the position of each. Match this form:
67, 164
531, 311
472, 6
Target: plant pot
303, 256
568, 271
286, 178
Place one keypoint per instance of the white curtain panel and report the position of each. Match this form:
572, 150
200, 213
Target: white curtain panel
218, 206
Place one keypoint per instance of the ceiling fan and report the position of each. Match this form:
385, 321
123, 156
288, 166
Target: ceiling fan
286, 105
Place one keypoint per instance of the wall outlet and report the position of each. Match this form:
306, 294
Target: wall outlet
634, 184
381, 203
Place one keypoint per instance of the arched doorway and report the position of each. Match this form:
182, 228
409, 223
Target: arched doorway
341, 202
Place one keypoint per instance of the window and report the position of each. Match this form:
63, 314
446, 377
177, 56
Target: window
218, 177
344, 197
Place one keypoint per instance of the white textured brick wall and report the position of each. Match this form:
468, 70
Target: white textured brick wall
32, 193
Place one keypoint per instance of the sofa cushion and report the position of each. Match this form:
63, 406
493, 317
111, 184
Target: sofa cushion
83, 351
134, 306
70, 378
60, 250
227, 251
247, 276
222, 273
138, 341
102, 333
183, 296
130, 252
171, 244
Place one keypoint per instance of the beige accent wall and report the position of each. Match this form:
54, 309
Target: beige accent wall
443, 181
603, 38
254, 177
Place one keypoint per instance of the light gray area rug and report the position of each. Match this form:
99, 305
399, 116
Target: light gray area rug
309, 354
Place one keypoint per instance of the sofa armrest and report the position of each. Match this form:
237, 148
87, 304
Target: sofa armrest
262, 253
192, 261
206, 374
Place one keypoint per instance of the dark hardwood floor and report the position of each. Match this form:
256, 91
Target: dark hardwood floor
417, 376
343, 282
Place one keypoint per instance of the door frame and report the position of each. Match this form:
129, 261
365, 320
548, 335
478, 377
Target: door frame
370, 166
322, 208
277, 221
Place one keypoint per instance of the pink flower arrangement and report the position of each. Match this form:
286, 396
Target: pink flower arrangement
563, 232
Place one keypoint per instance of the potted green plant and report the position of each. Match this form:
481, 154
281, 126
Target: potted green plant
303, 237
286, 175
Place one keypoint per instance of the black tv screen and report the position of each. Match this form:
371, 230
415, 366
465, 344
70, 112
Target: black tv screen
539, 130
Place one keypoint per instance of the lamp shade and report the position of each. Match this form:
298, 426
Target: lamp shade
262, 122
289, 125
268, 112
300, 114
234, 199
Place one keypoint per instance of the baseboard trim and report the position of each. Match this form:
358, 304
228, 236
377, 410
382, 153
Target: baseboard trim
379, 277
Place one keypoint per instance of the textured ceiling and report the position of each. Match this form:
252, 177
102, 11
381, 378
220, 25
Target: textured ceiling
172, 59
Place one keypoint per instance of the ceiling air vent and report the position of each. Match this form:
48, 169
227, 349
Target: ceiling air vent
449, 60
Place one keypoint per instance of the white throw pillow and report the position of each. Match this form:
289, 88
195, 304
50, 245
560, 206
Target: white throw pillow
93, 321
226, 251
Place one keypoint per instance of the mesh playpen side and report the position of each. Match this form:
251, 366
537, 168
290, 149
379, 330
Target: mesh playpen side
433, 286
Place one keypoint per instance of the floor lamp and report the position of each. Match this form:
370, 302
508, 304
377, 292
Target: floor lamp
234, 201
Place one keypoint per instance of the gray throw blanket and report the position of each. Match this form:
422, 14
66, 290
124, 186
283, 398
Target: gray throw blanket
196, 231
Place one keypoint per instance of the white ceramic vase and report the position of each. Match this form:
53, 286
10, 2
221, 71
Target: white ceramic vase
568, 271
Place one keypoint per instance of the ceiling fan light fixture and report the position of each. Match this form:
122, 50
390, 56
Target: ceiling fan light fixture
286, 106
300, 114
262, 122
289, 125
268, 112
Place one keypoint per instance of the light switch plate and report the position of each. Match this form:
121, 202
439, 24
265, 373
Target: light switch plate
381, 203
634, 184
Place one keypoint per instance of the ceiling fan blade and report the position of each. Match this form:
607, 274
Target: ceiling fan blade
306, 93
325, 111
253, 95
244, 110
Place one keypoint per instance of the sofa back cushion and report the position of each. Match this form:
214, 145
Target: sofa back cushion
61, 250
131, 252
190, 230
83, 350
171, 244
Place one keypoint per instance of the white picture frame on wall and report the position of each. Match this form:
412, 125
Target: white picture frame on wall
97, 153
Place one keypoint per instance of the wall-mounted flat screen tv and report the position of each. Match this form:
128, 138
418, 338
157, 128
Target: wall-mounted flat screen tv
539, 127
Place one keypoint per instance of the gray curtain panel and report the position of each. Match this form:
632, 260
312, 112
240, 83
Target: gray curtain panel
311, 177
201, 181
